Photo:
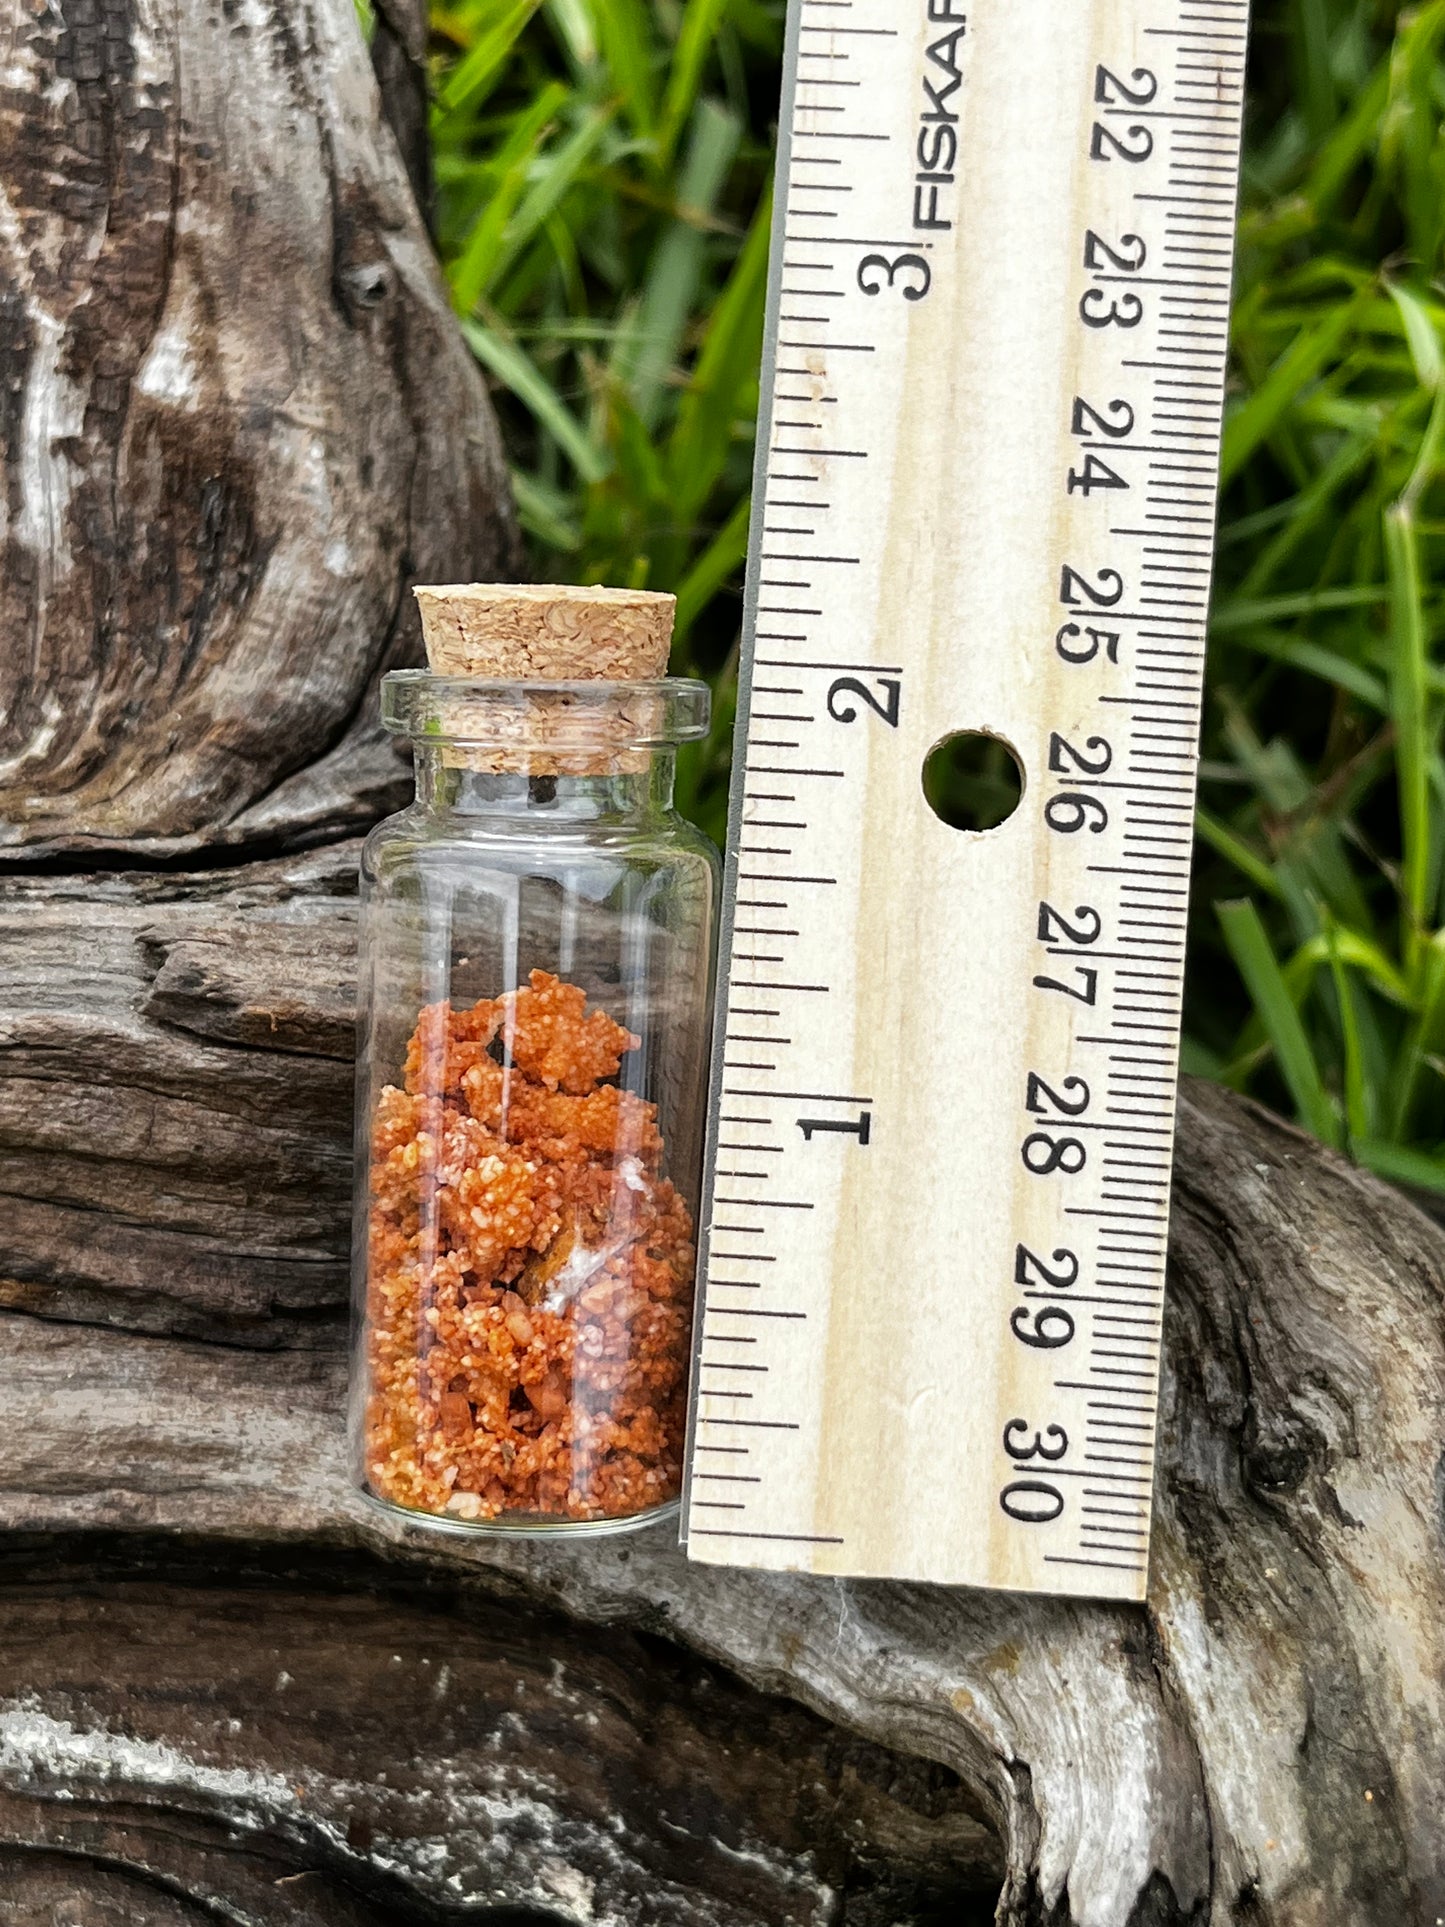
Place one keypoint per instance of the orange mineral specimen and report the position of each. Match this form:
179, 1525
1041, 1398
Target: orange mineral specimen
530, 1271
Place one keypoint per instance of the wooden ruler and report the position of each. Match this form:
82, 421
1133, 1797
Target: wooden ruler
943, 1103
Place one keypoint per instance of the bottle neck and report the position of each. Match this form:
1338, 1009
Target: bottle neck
445, 790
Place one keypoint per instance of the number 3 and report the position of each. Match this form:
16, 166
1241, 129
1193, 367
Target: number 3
879, 264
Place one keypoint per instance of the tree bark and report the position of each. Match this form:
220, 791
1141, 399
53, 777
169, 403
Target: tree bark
236, 423
1264, 1745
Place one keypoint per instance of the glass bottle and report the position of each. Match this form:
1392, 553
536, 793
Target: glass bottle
536, 962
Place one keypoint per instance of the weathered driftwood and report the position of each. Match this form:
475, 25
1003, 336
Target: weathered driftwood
372, 1747
1267, 1744
235, 424
238, 422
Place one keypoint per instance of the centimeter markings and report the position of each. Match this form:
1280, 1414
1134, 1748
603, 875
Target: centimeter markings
943, 1102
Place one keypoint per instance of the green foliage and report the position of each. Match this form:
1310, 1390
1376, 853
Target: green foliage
1323, 797
603, 169
603, 172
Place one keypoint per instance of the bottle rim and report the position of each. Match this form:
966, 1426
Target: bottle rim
483, 711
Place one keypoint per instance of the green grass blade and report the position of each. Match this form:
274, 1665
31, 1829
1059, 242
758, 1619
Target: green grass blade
1401, 1165
473, 270
543, 513
1350, 948
1244, 613
1333, 164
1317, 86
1407, 707
1223, 840
1409, 132
1252, 421
1360, 1105
473, 76
718, 563
1314, 659
700, 22
669, 295
565, 167
1255, 960
630, 53
1421, 334
1422, 1037
1301, 514
571, 21
520, 375
724, 385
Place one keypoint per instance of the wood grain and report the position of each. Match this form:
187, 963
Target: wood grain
1208, 1758
935, 554
229, 1690
157, 1173
238, 422
383, 1748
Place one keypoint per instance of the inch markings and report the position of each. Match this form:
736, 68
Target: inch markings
930, 1316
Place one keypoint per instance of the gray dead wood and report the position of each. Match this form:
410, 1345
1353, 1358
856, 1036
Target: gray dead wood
236, 422
1264, 1745
378, 1749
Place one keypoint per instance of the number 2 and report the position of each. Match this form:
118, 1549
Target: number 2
1054, 926
1109, 90
1088, 419
1093, 760
1027, 1262
1073, 588
1105, 144
885, 705
1072, 1097
1095, 245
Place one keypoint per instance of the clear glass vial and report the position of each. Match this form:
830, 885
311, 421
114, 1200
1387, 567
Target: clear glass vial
536, 966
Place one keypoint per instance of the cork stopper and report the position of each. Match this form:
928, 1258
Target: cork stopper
515, 632
523, 633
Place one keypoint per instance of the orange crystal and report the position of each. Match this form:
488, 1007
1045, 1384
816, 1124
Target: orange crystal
530, 1271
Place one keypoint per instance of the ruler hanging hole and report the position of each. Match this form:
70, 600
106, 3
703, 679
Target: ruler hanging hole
973, 780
